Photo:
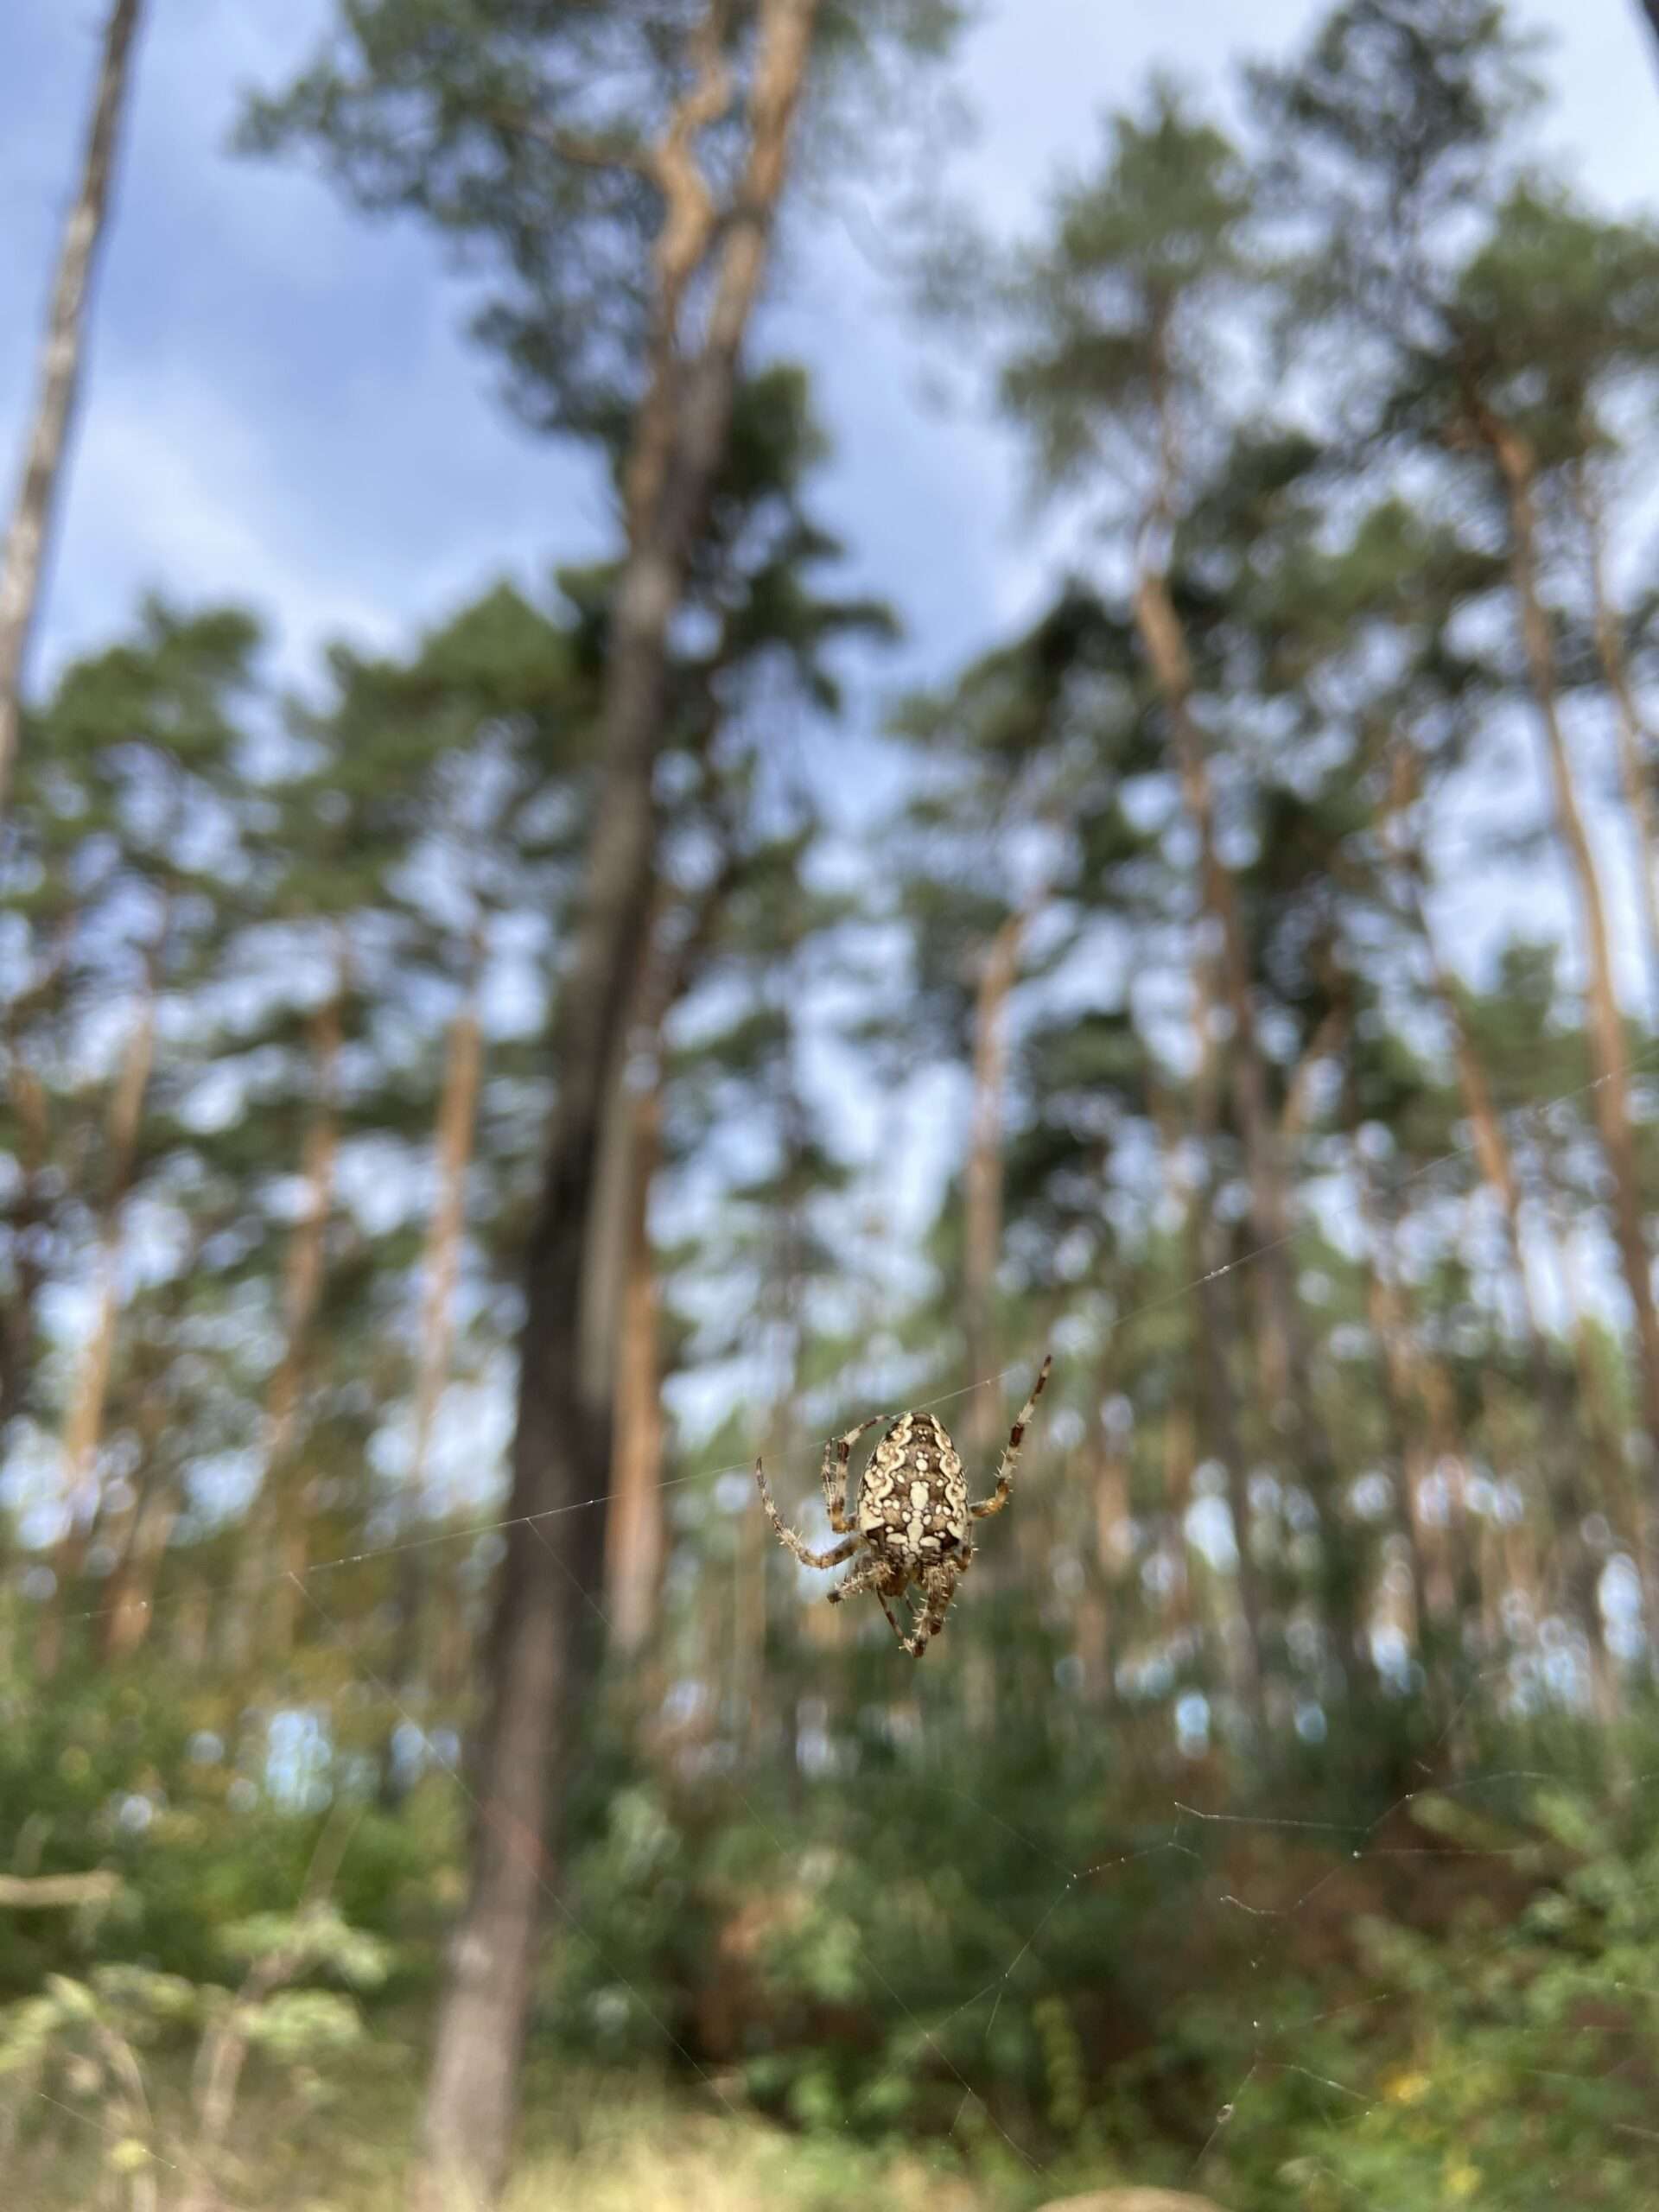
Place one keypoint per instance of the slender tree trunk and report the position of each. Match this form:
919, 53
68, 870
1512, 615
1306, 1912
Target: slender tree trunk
29, 1206
635, 1534
83, 1429
1612, 1091
275, 1529
982, 1178
126, 1617
1634, 741
1100, 1629
982, 1196
562, 1445
1434, 1584
1285, 1372
457, 1119
1651, 9
1216, 1332
24, 553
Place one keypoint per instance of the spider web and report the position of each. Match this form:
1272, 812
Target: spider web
1255, 1885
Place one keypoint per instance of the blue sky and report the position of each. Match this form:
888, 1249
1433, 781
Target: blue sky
282, 405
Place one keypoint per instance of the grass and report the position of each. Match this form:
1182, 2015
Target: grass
592, 2142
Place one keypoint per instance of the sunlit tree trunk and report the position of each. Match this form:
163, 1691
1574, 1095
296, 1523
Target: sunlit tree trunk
24, 553
457, 1118
1406, 1394
83, 1428
1216, 1329
1634, 740
130, 1601
982, 1178
1286, 1386
29, 1205
275, 1537
562, 1445
982, 1210
1611, 1095
635, 1534
1101, 1627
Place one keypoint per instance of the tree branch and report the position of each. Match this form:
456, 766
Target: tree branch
34, 1892
576, 146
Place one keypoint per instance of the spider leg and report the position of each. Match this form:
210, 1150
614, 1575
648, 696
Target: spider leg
871, 1575
787, 1537
867, 1575
904, 1641
1010, 1460
837, 1453
940, 1585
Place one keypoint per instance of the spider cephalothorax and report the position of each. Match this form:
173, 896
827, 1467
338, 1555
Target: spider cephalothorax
914, 1517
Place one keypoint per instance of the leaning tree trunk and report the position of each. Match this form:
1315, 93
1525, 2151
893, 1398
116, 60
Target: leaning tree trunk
561, 1449
1612, 1091
25, 547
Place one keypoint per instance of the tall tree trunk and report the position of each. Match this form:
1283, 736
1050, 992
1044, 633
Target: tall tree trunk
457, 1120
1634, 738
982, 1178
1405, 1396
1215, 1331
635, 1534
561, 1447
983, 1200
83, 1428
1285, 1373
1570, 1495
1612, 1091
29, 1206
24, 553
1651, 9
275, 1529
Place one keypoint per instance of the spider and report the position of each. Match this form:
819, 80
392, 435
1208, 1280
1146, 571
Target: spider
913, 1514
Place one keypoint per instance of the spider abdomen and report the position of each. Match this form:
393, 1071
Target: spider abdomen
913, 1502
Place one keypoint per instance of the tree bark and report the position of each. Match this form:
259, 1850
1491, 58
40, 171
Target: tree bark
1634, 738
1612, 1091
457, 1118
1216, 1332
635, 1536
1284, 1368
83, 1428
982, 1178
23, 557
562, 1445
274, 1528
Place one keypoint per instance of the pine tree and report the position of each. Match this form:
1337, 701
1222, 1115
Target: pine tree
23, 558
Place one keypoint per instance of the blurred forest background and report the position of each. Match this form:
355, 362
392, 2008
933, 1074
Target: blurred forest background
430, 1174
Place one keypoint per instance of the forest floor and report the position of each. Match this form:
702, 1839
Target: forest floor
599, 2146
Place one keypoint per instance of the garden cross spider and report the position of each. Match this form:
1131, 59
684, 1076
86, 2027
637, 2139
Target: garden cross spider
913, 1514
